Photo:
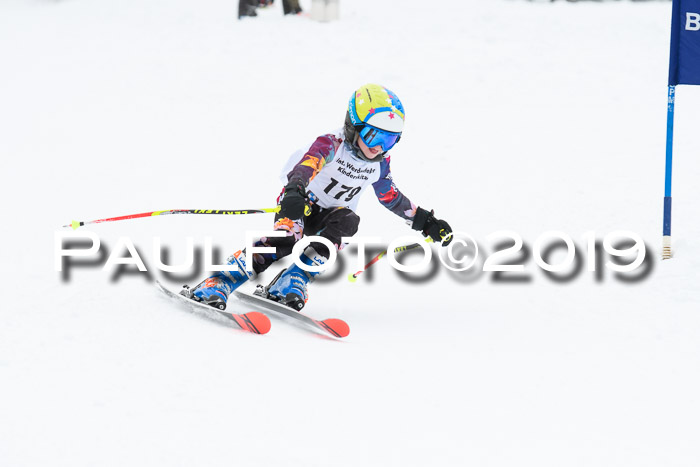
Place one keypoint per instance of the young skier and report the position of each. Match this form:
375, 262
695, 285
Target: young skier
328, 179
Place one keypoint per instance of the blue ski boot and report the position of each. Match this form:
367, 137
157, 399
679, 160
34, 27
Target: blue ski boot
289, 287
214, 291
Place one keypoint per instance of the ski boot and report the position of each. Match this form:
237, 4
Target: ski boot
214, 291
289, 287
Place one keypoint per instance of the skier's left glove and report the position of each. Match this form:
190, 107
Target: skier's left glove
437, 229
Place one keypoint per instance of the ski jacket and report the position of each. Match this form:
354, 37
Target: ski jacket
336, 176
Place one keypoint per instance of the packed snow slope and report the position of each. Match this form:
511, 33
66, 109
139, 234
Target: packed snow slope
521, 116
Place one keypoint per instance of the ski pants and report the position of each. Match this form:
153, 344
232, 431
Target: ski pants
291, 7
331, 223
246, 7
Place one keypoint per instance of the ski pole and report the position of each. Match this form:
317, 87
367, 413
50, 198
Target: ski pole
232, 212
353, 277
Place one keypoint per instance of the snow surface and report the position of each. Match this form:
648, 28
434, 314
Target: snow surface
522, 116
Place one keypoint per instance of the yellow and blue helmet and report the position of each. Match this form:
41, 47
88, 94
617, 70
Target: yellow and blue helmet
376, 114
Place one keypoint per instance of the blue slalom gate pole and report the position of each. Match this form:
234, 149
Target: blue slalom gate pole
683, 68
669, 164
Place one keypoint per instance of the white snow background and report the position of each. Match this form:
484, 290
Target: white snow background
522, 116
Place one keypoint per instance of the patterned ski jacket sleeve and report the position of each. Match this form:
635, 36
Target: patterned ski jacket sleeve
389, 196
316, 157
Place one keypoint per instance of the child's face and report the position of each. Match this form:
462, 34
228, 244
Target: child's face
370, 153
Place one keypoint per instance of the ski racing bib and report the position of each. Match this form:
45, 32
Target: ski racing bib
341, 181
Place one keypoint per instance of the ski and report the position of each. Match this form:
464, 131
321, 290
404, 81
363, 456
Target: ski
252, 321
334, 327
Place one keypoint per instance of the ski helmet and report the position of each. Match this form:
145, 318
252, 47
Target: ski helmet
376, 114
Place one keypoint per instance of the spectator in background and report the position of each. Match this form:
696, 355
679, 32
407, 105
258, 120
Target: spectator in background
247, 7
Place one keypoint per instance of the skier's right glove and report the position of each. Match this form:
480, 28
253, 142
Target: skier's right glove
293, 205
437, 229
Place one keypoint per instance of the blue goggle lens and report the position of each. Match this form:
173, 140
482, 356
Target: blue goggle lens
376, 137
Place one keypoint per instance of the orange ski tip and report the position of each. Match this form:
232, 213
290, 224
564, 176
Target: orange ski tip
338, 326
260, 321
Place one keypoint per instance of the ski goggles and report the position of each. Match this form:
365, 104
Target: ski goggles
375, 137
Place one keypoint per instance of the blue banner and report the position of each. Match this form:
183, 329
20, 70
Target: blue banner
684, 64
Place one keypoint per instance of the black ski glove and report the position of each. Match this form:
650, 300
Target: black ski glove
293, 205
436, 229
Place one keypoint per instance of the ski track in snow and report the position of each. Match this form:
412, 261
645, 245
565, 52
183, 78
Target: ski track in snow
522, 116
